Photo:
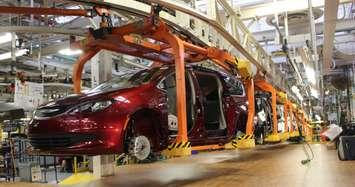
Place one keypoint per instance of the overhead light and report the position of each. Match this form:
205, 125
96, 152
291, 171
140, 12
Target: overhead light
67, 19
6, 37
70, 52
311, 76
314, 93
296, 91
18, 53
64, 19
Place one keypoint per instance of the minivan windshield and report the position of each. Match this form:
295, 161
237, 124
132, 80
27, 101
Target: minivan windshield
126, 80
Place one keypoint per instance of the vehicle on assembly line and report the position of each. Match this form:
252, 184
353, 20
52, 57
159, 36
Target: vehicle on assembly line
135, 113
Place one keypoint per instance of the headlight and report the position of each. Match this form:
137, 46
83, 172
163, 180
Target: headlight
92, 107
97, 106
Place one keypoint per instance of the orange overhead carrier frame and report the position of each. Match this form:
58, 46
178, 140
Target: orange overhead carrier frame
152, 39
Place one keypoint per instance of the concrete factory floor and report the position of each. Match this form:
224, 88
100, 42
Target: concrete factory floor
270, 165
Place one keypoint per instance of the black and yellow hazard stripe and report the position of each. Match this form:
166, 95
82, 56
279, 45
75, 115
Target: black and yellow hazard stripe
246, 137
234, 143
178, 145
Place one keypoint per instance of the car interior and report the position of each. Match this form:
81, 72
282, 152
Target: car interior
264, 111
212, 89
169, 84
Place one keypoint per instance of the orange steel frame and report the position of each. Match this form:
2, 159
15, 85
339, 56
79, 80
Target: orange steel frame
136, 39
166, 48
286, 117
249, 84
265, 86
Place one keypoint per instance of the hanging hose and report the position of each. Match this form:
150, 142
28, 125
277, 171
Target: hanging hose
309, 154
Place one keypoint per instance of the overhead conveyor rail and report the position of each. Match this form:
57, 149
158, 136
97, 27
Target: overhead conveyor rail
232, 31
230, 34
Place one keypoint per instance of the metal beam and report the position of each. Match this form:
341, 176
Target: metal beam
51, 49
267, 9
330, 18
44, 11
341, 25
253, 51
42, 29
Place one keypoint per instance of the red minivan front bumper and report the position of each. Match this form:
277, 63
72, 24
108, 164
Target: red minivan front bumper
96, 134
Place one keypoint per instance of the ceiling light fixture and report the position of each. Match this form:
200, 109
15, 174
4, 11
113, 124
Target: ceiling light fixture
18, 53
314, 93
296, 91
6, 37
311, 76
70, 52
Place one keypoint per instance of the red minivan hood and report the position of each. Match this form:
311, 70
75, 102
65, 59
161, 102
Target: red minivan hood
75, 99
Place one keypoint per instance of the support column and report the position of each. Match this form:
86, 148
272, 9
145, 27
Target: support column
101, 71
286, 117
274, 137
251, 108
248, 140
181, 146
274, 112
101, 68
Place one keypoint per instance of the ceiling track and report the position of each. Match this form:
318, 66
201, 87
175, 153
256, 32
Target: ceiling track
42, 30
230, 34
238, 37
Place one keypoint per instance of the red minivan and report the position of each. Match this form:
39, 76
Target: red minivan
136, 113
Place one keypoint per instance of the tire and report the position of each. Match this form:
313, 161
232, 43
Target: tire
259, 134
341, 155
261, 139
137, 146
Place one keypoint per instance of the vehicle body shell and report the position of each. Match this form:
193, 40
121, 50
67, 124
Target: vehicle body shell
103, 132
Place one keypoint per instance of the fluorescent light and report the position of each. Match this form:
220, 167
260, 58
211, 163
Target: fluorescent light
296, 91
18, 53
311, 76
70, 52
6, 37
64, 19
314, 93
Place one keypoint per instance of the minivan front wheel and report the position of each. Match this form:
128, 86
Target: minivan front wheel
139, 147
260, 139
137, 144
